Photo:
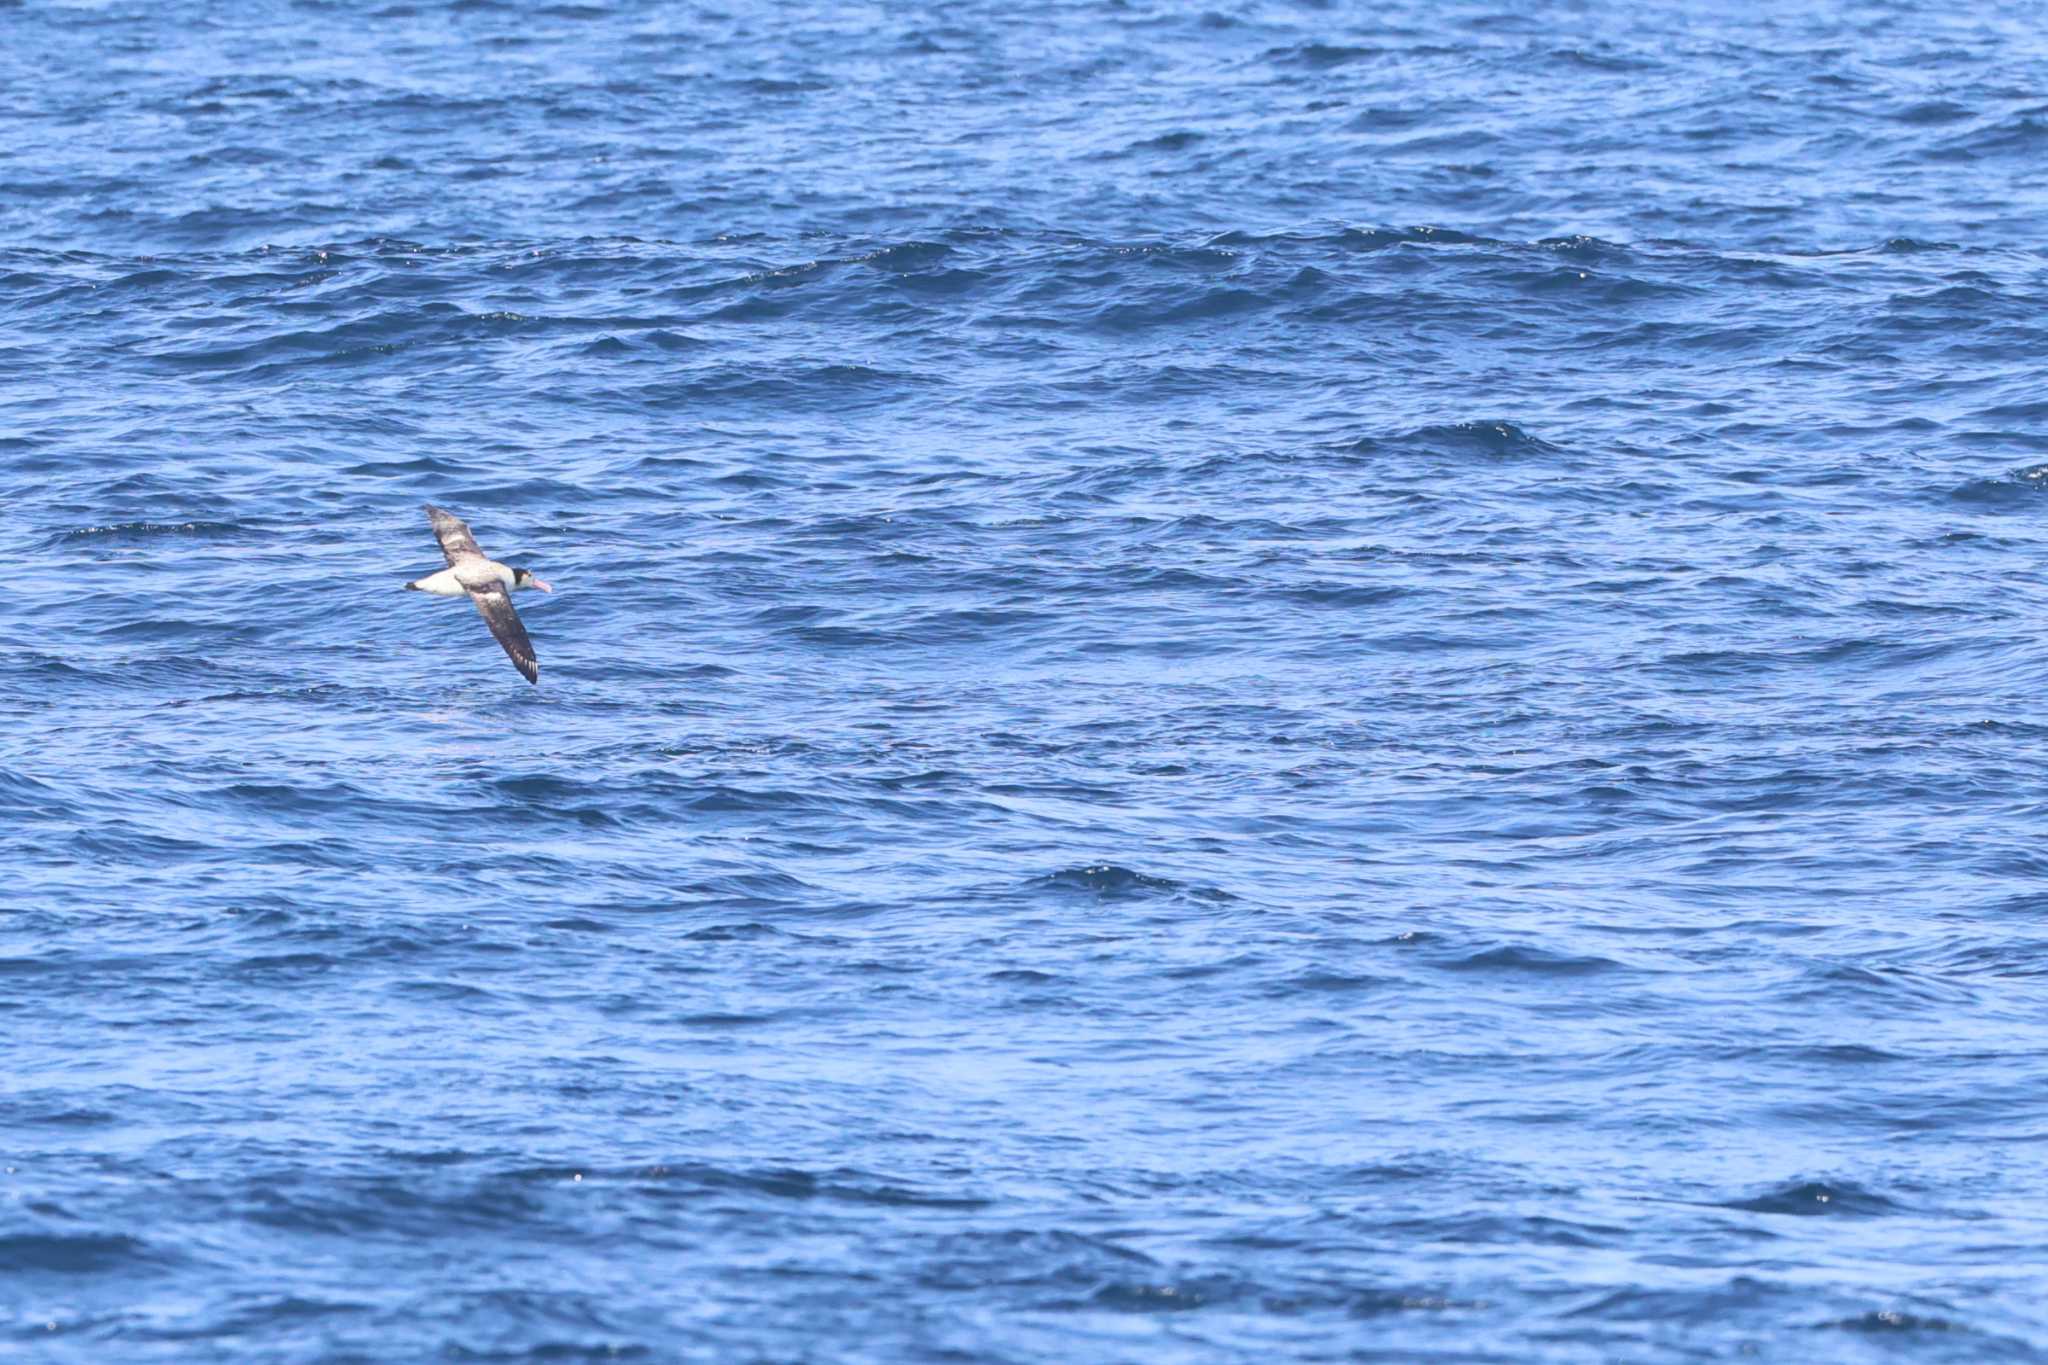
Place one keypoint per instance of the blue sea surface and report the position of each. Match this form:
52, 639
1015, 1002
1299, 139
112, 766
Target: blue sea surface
1280, 682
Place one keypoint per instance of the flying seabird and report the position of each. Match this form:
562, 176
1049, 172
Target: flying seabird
488, 583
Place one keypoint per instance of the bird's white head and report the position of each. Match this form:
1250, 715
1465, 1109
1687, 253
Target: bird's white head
523, 578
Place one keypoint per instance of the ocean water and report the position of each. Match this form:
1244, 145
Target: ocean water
1284, 681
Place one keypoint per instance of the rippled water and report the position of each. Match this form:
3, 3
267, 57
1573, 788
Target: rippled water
1276, 682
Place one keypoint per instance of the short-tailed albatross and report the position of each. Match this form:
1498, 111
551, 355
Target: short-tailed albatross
485, 582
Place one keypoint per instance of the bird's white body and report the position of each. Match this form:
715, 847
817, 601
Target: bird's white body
457, 581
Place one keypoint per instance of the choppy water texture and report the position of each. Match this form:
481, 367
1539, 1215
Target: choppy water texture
1282, 682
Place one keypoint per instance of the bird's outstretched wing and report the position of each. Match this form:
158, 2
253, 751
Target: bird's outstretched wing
453, 533
496, 605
